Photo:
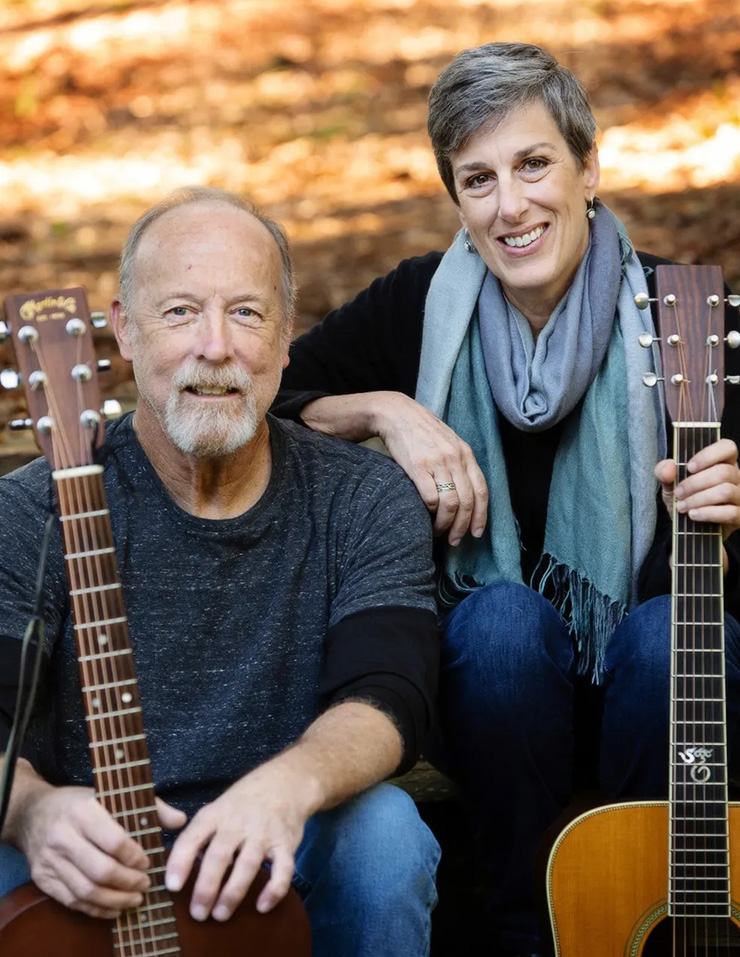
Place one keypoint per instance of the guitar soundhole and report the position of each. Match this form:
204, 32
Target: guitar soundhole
695, 937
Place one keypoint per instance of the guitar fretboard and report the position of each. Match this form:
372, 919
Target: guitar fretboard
699, 845
118, 748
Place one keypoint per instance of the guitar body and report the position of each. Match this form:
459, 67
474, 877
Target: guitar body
34, 925
607, 885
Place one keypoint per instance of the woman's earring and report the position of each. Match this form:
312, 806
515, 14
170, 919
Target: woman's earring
469, 243
590, 211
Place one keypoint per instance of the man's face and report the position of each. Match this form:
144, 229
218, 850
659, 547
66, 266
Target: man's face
206, 337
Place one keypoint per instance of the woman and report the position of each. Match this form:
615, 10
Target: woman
505, 377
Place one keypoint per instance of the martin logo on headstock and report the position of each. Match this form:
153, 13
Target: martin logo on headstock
52, 335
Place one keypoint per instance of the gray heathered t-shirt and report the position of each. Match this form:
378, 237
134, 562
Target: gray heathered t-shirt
227, 618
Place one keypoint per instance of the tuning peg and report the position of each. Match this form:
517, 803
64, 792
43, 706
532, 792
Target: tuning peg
9, 379
111, 409
642, 301
4, 331
733, 339
733, 379
18, 425
99, 320
733, 301
650, 379
104, 365
646, 340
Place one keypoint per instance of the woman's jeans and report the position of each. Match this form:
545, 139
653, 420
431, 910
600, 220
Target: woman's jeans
365, 871
506, 702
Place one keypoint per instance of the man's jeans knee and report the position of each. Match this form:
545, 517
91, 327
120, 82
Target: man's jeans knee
366, 872
13, 869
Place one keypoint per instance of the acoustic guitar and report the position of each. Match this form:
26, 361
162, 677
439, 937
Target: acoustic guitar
52, 334
663, 878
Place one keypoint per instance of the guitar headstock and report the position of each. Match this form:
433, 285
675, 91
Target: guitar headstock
692, 334
52, 335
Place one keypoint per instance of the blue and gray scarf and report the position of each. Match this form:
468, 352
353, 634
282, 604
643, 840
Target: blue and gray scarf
479, 360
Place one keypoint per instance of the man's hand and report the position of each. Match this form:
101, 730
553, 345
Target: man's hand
260, 818
428, 451
80, 856
711, 492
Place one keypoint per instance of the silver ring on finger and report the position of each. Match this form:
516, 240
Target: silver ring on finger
446, 487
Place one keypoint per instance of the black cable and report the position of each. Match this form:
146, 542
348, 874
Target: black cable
23, 711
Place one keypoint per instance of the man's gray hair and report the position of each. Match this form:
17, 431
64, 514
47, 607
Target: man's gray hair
191, 195
484, 84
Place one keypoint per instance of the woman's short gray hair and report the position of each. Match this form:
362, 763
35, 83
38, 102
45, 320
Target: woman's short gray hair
484, 84
190, 195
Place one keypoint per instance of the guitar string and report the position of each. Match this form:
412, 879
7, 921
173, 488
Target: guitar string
65, 458
129, 924
73, 535
681, 636
106, 607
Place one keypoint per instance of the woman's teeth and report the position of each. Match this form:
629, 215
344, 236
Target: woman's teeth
526, 239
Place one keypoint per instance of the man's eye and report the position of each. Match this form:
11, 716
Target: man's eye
245, 312
178, 311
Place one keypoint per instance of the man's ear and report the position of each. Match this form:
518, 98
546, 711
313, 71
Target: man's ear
286, 335
120, 324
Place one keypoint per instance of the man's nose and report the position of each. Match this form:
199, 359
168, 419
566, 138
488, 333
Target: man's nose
215, 337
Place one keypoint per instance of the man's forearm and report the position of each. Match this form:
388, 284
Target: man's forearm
28, 785
345, 750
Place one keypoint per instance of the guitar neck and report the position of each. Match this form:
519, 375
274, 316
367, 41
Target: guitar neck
118, 748
699, 884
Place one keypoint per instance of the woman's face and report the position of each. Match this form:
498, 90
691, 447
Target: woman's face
523, 197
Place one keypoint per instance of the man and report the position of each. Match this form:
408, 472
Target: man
278, 590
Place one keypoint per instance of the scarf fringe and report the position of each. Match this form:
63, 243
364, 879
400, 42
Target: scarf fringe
591, 616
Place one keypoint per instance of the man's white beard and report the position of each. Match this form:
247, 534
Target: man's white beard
209, 430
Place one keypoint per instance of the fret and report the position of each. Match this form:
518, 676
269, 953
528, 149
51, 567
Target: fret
120, 767
104, 654
124, 740
110, 684
146, 925
94, 588
157, 870
157, 953
702, 624
156, 888
134, 810
713, 700
93, 551
130, 790
152, 940
143, 831
721, 911
95, 514
158, 906
698, 594
698, 865
112, 714
103, 621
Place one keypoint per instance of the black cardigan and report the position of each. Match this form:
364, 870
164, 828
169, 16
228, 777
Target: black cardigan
373, 343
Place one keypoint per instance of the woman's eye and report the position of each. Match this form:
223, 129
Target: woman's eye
480, 179
535, 164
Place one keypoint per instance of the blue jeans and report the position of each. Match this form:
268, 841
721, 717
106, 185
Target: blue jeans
365, 871
506, 710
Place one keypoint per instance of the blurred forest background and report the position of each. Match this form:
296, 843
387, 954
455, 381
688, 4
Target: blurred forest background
317, 110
